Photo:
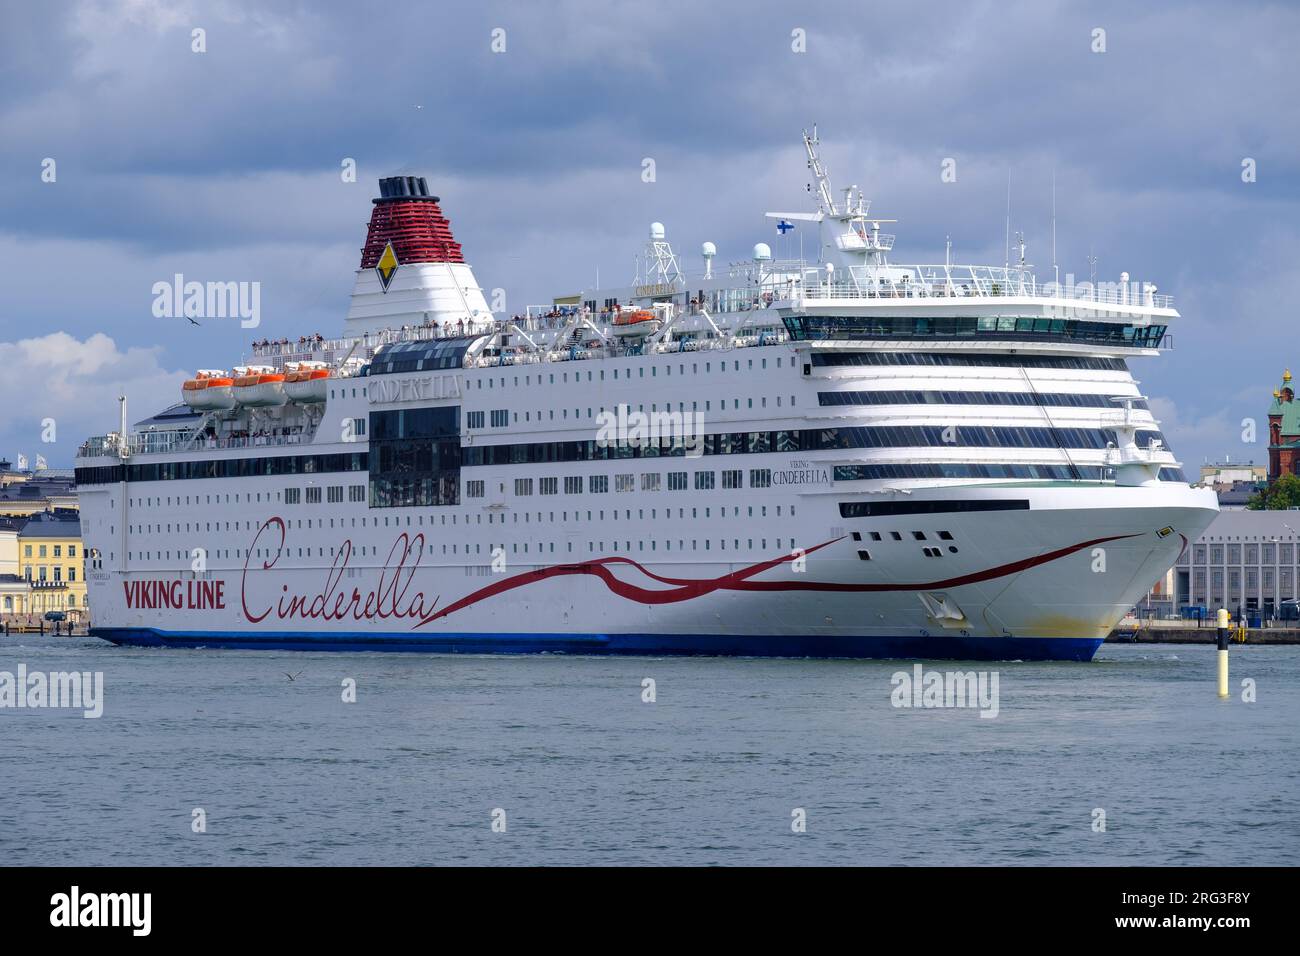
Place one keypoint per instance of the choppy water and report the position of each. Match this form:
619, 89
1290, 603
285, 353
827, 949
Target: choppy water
587, 773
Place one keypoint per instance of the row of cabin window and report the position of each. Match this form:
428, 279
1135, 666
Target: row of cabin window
333, 494
751, 511
650, 481
929, 552
593, 547
627, 373
500, 417
898, 536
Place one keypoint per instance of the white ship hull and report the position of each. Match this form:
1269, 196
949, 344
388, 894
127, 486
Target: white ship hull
1046, 583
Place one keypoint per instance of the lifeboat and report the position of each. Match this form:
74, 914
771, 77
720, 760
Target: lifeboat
306, 382
637, 322
259, 385
210, 389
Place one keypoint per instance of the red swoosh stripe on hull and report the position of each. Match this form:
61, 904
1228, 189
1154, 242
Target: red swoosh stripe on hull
686, 589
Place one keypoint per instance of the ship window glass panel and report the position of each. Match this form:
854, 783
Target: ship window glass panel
523, 487
915, 397
573, 484
873, 357
548, 486
313, 495
704, 481
733, 479
650, 481
677, 481
474, 489
416, 457
598, 484
624, 483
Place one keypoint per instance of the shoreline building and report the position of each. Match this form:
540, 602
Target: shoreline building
51, 567
1245, 560
1234, 483
1283, 431
24, 493
41, 564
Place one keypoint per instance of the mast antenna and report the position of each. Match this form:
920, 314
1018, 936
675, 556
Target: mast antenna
819, 173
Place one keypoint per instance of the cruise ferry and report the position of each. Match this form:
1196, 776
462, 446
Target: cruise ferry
828, 455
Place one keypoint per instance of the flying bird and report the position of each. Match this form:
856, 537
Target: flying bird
192, 322
293, 676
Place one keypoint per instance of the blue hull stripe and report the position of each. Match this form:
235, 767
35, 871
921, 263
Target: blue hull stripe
746, 645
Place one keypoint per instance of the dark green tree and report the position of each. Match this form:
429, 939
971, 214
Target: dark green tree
1279, 496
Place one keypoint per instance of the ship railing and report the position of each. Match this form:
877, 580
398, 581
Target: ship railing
1139, 456
162, 442
368, 342
953, 281
100, 446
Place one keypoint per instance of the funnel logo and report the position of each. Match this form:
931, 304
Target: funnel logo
386, 266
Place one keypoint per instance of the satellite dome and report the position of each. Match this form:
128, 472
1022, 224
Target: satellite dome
656, 230
762, 252
708, 250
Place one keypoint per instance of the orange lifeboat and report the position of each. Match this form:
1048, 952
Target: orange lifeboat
306, 383
632, 318
635, 322
259, 386
210, 389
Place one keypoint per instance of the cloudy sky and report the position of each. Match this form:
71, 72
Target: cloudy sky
225, 164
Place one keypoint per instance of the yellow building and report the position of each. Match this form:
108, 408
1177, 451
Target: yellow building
52, 565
